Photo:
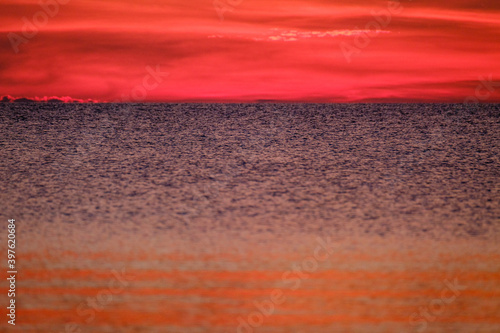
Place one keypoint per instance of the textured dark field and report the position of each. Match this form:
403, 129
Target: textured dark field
207, 205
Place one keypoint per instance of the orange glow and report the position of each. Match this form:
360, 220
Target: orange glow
281, 50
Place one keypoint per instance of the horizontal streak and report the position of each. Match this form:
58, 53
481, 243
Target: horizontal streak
173, 316
242, 276
238, 293
148, 256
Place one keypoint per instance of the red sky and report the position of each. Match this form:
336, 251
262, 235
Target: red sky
430, 51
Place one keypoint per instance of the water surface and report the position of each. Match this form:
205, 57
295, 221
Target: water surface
205, 207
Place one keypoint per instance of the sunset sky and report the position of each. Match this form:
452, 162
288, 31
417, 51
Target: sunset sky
252, 50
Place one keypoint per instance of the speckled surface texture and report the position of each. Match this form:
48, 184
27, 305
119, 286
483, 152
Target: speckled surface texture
208, 205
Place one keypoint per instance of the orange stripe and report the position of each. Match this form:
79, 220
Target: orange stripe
181, 318
239, 293
296, 305
242, 276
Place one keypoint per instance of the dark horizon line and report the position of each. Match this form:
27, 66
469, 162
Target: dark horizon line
8, 99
